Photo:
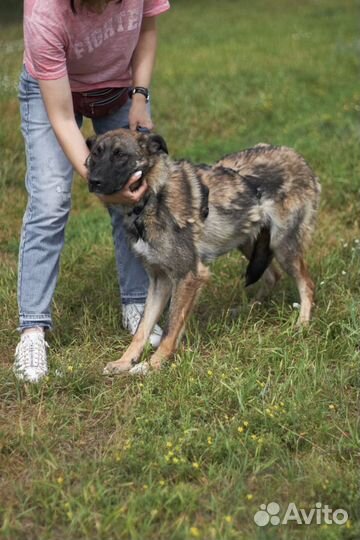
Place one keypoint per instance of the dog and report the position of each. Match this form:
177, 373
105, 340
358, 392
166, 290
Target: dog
262, 201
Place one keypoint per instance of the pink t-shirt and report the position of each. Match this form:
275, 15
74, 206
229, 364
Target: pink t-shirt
94, 49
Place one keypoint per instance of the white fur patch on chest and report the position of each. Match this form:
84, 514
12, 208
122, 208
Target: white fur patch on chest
141, 248
145, 251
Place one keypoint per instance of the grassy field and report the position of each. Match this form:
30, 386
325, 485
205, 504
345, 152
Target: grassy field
251, 410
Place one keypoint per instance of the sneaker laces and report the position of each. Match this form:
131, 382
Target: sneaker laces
31, 352
132, 317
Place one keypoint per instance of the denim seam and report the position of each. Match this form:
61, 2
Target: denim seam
35, 316
29, 209
24, 324
27, 181
133, 300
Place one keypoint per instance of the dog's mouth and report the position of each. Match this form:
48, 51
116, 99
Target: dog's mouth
101, 187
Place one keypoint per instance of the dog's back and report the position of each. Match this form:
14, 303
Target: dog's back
267, 194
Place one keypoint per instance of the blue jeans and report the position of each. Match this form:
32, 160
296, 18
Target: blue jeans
48, 182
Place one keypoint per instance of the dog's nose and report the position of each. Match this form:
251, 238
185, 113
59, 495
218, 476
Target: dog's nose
95, 185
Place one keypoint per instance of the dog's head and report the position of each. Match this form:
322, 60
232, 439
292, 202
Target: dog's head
117, 155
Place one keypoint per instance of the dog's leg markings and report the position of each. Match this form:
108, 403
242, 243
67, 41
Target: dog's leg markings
158, 295
182, 302
306, 289
297, 269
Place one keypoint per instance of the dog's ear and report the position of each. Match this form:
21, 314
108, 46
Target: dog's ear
90, 141
155, 144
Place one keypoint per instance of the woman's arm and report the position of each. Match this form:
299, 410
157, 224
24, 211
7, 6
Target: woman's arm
58, 102
142, 67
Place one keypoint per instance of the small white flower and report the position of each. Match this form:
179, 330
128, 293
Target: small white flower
322, 283
345, 245
343, 273
296, 305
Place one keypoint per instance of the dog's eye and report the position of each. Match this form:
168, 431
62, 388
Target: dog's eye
98, 151
118, 155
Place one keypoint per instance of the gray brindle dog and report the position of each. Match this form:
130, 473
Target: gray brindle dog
262, 201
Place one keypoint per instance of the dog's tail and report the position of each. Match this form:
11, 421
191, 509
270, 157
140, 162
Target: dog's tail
261, 257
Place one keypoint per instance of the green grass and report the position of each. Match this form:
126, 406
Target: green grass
83, 457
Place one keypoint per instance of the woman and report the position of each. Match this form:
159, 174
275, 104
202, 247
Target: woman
81, 57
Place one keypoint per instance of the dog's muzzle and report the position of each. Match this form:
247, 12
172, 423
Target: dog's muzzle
106, 187
95, 186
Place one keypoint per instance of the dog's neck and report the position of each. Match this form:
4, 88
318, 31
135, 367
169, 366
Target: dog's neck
153, 178
157, 174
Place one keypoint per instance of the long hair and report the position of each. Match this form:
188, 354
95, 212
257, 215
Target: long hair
72, 4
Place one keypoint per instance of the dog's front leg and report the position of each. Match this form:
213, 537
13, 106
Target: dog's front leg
158, 295
182, 302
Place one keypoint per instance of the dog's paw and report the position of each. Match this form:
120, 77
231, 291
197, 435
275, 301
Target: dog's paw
140, 369
115, 368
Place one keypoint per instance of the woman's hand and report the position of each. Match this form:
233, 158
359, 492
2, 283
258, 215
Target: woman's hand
138, 114
126, 196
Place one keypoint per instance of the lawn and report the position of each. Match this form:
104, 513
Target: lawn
251, 410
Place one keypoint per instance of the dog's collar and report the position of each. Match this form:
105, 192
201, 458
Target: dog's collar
139, 208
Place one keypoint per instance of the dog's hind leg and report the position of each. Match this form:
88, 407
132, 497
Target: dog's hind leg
158, 295
297, 268
181, 305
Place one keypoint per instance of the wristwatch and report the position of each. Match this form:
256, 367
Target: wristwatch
140, 90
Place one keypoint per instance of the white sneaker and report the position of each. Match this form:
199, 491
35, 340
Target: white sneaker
132, 314
30, 357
